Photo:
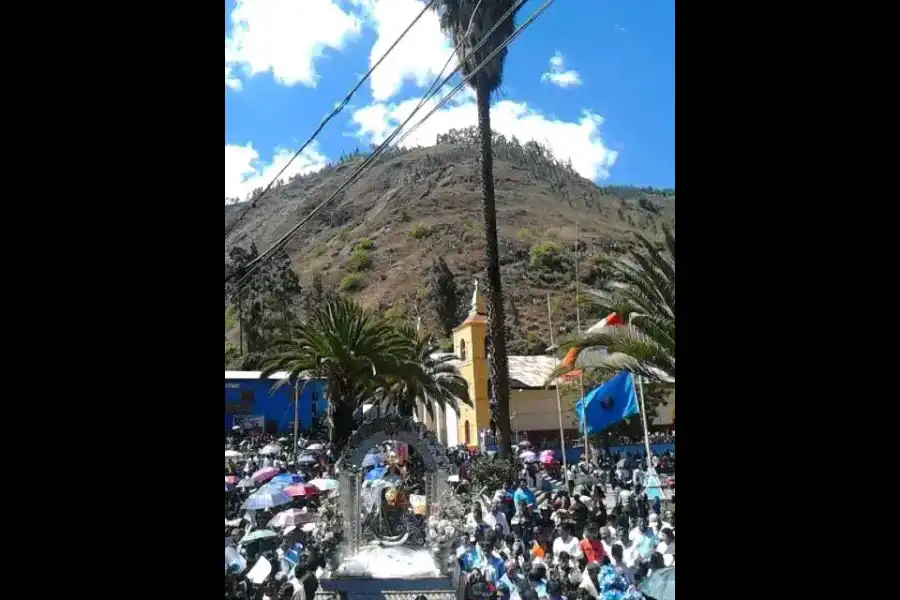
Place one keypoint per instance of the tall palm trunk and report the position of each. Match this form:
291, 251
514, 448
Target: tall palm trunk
499, 365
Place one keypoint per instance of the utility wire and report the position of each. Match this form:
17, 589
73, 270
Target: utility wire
433, 90
330, 116
255, 264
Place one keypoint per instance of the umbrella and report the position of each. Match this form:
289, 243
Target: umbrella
231, 480
266, 499
245, 483
264, 474
290, 517
548, 459
259, 534
234, 561
375, 473
307, 459
236, 428
315, 447
525, 444
260, 571
287, 478
270, 449
660, 585
300, 489
371, 460
233, 454
527, 455
453, 479
281, 440
228, 488
326, 485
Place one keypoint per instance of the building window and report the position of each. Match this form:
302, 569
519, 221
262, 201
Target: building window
468, 434
462, 349
487, 344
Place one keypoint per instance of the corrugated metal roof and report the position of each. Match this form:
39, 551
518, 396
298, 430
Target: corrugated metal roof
256, 374
524, 371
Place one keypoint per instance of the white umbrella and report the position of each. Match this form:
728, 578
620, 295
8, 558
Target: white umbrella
453, 479
527, 455
260, 571
316, 446
233, 454
270, 449
326, 485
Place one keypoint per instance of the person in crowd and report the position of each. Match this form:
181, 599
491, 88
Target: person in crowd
566, 542
666, 546
591, 547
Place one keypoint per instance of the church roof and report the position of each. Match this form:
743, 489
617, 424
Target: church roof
525, 372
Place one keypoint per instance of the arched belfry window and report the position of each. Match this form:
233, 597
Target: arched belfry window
468, 434
462, 349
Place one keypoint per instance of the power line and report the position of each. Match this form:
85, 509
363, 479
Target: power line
255, 264
330, 116
368, 162
371, 158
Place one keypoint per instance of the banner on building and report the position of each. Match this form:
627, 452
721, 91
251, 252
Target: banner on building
250, 421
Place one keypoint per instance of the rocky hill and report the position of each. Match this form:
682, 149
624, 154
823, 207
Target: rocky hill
378, 240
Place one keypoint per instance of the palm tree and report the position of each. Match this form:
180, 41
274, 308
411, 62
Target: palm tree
432, 380
642, 292
352, 350
465, 23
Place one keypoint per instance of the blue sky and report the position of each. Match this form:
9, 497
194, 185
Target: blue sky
592, 79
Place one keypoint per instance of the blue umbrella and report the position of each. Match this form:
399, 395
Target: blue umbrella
660, 585
372, 460
287, 479
375, 473
267, 499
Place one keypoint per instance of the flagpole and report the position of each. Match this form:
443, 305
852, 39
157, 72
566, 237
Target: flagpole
562, 439
640, 386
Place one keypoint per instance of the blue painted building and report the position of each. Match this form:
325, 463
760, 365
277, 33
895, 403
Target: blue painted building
251, 401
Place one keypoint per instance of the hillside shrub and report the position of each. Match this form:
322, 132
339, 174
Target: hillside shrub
359, 260
546, 255
353, 282
418, 231
365, 244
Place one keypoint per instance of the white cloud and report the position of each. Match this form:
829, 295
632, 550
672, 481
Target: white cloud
285, 37
244, 172
419, 57
578, 141
558, 76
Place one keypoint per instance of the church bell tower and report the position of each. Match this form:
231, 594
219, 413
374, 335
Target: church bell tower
469, 346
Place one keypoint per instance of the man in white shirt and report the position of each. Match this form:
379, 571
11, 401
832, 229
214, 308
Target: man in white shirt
566, 543
637, 478
666, 546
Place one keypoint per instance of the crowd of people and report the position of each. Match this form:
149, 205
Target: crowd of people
276, 519
574, 544
598, 537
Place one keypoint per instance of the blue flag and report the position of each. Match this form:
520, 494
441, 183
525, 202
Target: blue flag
608, 403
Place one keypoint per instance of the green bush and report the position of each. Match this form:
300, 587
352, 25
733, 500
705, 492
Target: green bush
546, 255
525, 235
418, 231
353, 282
359, 260
492, 471
365, 244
